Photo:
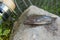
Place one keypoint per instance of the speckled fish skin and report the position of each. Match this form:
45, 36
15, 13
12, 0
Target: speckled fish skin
38, 20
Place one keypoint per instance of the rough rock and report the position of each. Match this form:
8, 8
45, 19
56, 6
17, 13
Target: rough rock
25, 32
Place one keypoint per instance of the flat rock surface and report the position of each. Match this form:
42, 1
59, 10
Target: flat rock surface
25, 32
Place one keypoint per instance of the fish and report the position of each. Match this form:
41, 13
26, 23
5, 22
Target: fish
39, 20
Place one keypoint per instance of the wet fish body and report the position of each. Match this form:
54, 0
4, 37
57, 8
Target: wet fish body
38, 20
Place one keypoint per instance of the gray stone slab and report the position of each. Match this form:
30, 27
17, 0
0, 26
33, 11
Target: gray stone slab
26, 32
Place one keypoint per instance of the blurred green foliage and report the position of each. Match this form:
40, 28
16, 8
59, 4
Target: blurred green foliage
52, 6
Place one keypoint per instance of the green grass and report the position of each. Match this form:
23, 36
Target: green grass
52, 6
